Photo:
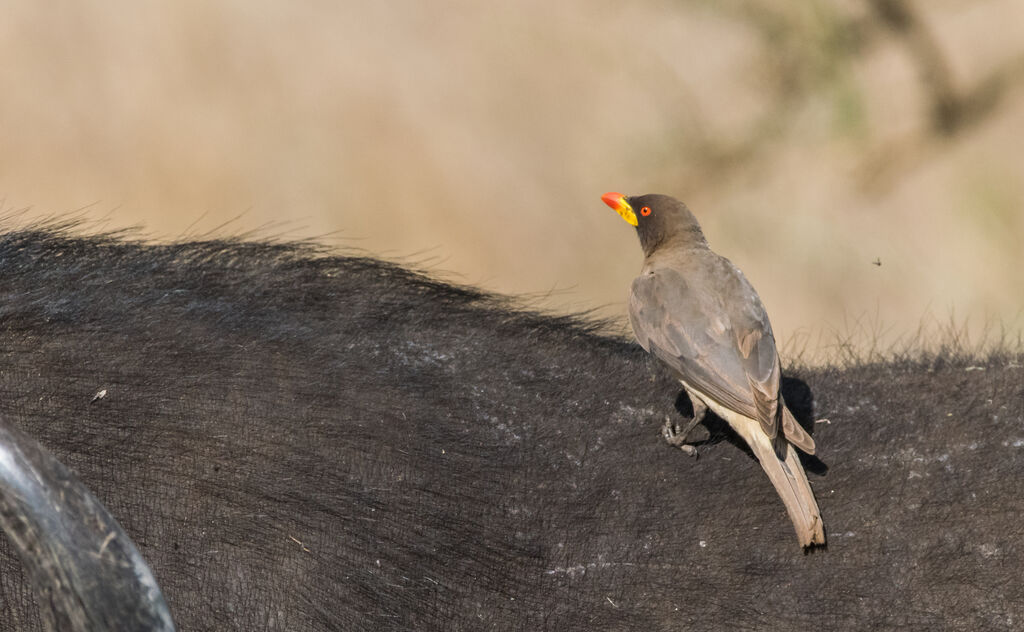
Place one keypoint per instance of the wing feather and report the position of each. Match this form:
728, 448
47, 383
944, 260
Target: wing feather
718, 340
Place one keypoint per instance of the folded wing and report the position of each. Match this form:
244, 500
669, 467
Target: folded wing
718, 340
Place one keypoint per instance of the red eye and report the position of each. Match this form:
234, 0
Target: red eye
645, 211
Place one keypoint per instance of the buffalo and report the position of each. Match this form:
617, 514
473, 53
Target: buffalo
301, 440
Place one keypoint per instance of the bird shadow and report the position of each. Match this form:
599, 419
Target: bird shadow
799, 400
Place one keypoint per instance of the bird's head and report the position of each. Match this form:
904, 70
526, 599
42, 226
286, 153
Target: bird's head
659, 219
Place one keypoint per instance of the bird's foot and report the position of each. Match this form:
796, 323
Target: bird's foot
676, 437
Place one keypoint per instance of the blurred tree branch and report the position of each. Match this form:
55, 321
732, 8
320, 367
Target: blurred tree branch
811, 45
951, 110
937, 79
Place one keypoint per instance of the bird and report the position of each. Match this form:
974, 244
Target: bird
695, 311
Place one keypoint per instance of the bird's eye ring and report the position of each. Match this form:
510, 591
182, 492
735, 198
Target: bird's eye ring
645, 211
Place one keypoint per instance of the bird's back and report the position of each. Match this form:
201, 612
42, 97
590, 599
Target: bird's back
693, 309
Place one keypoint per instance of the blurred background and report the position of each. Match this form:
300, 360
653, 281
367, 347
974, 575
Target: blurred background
860, 160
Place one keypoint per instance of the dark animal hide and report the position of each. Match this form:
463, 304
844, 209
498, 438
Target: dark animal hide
299, 442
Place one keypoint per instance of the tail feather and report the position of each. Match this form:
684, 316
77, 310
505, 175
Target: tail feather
781, 463
790, 481
795, 433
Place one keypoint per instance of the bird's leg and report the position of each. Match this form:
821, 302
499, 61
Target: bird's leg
676, 437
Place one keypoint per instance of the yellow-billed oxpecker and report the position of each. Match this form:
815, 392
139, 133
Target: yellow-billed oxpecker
696, 312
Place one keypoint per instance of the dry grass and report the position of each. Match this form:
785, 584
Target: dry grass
481, 137
934, 342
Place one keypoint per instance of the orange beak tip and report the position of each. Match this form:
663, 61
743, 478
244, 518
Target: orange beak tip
612, 199
619, 204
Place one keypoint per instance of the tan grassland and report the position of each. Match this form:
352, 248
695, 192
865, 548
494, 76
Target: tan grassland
814, 141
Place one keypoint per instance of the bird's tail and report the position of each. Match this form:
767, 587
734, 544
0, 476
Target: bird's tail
788, 477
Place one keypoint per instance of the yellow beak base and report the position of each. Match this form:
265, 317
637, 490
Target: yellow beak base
619, 204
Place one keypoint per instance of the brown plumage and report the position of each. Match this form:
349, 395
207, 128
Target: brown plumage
696, 312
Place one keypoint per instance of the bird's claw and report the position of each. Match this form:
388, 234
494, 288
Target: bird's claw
676, 437
689, 450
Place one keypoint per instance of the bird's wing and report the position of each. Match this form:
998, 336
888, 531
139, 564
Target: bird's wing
715, 336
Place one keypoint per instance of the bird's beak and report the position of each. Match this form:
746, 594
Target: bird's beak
619, 204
